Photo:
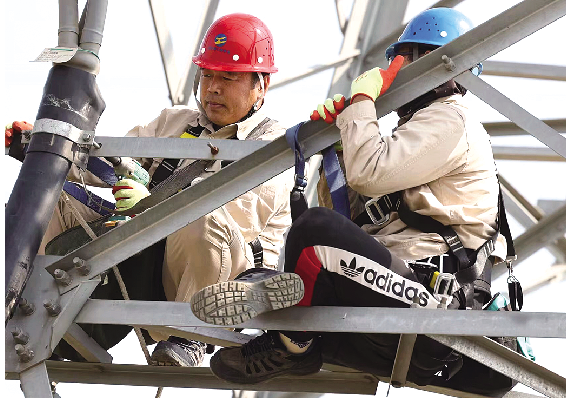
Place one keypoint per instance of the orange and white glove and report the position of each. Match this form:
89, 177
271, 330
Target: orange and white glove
13, 129
375, 82
329, 109
127, 193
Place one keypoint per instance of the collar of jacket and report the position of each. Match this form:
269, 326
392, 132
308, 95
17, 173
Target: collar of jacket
449, 88
240, 130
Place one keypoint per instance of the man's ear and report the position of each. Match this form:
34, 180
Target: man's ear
266, 82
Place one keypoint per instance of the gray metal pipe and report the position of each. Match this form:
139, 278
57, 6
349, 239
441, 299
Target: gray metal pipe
91, 32
68, 25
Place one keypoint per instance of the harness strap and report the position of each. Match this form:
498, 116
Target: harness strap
257, 250
89, 199
177, 179
168, 166
336, 181
102, 170
298, 201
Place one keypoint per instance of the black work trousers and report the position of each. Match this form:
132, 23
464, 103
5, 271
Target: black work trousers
341, 265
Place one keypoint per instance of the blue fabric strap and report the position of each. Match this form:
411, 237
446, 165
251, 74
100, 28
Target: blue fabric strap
336, 181
102, 170
95, 202
293, 141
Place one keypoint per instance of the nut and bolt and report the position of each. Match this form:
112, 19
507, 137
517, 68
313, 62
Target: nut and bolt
24, 353
81, 266
213, 149
86, 137
26, 307
20, 336
448, 63
52, 308
62, 277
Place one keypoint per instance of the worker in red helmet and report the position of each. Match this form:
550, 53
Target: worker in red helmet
235, 60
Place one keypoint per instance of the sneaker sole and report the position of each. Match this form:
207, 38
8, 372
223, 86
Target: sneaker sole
234, 302
169, 359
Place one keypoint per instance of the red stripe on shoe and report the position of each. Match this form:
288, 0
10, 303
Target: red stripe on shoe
308, 267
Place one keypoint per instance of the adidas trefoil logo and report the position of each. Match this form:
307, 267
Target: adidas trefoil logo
351, 269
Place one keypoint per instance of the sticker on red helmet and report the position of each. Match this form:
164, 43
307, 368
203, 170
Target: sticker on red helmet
220, 40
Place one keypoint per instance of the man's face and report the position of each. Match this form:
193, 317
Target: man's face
228, 96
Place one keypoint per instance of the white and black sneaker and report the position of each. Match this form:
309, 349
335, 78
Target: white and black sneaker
253, 292
176, 351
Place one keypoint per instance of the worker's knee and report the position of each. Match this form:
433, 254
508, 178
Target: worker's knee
310, 224
212, 228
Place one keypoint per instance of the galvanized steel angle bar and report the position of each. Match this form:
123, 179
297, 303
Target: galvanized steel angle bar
176, 148
514, 112
338, 319
202, 377
35, 382
507, 362
194, 202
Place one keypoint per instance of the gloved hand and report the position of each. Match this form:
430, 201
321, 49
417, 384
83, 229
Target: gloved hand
14, 129
127, 193
375, 82
329, 109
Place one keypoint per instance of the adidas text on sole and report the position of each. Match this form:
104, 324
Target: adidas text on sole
234, 302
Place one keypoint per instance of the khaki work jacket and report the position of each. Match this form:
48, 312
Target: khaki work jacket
263, 212
442, 161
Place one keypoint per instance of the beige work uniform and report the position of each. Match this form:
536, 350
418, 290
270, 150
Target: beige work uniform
215, 247
442, 160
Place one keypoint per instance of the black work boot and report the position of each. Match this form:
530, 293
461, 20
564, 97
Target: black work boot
262, 359
177, 351
253, 292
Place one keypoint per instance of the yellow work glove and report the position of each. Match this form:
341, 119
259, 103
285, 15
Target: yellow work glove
376, 81
127, 193
329, 109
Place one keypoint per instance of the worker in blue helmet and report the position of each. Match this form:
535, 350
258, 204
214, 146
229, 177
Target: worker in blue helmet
423, 206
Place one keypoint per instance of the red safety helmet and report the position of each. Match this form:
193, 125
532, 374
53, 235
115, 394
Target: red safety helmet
237, 43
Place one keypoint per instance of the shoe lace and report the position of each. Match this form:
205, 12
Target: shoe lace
259, 344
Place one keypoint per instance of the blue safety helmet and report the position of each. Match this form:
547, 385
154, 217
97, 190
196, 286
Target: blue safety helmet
435, 27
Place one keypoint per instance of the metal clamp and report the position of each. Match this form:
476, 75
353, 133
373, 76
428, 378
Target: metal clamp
63, 129
382, 218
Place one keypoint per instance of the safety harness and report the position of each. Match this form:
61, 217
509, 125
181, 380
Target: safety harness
470, 270
459, 282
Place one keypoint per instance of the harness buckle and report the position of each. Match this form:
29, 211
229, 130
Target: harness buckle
443, 285
382, 217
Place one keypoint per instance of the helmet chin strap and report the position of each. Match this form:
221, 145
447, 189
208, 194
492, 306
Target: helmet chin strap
255, 107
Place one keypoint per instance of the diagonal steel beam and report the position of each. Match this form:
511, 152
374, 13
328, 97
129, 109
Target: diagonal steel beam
165, 45
514, 112
508, 362
340, 60
185, 86
545, 231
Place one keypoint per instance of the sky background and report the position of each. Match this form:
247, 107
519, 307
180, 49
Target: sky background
306, 33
